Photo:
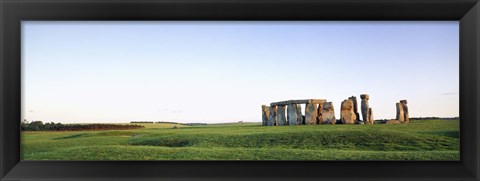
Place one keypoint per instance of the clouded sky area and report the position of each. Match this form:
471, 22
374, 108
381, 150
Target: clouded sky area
83, 72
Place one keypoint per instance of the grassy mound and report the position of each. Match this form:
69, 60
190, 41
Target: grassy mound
356, 140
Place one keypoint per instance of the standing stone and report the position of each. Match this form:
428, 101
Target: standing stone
265, 115
320, 113
281, 118
347, 115
292, 114
405, 111
299, 115
310, 113
328, 114
400, 114
355, 108
365, 98
272, 119
370, 116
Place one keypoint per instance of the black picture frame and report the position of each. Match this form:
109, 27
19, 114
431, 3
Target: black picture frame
12, 12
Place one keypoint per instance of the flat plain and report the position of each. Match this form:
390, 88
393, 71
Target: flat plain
419, 140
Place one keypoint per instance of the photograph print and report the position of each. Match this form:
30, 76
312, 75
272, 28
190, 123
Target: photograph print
241, 90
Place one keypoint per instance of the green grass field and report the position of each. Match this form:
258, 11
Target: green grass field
419, 140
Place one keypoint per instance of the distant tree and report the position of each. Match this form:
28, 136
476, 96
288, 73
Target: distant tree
24, 125
47, 126
36, 126
59, 126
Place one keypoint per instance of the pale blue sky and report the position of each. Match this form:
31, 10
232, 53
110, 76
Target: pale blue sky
75, 72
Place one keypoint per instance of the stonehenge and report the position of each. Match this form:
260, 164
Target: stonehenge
299, 114
319, 111
276, 112
402, 112
302, 101
366, 112
281, 119
319, 114
292, 114
370, 116
405, 111
328, 114
400, 116
272, 118
310, 113
265, 115
347, 114
355, 108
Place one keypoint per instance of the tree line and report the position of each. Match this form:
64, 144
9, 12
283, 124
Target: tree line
40, 126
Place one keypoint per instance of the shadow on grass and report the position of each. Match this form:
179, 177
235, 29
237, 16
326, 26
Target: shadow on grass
71, 136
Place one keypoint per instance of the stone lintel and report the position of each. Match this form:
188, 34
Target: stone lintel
301, 101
